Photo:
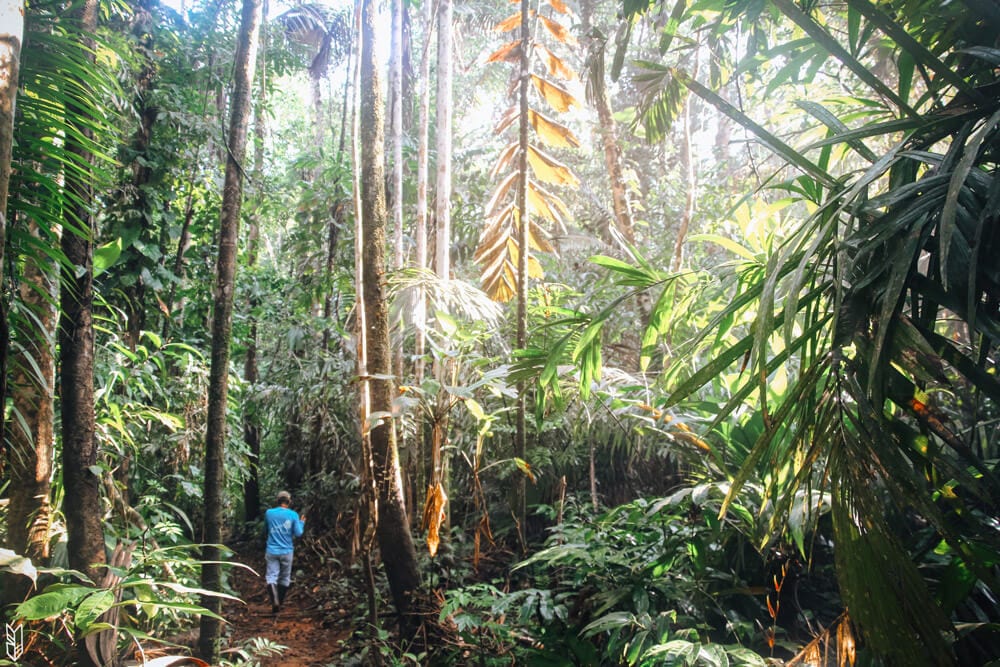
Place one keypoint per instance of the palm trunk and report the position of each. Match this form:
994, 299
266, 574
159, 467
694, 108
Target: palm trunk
395, 541
85, 535
523, 223
222, 321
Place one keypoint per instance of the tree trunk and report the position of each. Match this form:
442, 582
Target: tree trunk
85, 536
690, 182
420, 234
251, 423
142, 172
523, 225
444, 114
11, 35
396, 99
612, 152
395, 541
30, 457
222, 322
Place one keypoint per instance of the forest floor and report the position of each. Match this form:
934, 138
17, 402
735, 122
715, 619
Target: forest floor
312, 625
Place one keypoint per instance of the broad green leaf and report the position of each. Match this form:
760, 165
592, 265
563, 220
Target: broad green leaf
92, 607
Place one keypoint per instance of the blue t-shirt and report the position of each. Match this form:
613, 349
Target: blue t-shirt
283, 526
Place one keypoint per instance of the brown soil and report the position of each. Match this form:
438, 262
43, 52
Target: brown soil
311, 627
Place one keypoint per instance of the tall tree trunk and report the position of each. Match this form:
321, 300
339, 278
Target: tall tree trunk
251, 422
142, 172
396, 100
420, 234
523, 222
222, 322
395, 541
11, 35
85, 537
32, 437
444, 128
612, 152
442, 264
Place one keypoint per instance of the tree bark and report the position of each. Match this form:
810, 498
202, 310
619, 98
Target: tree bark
396, 98
30, 457
523, 225
251, 423
444, 129
395, 541
11, 35
612, 153
222, 322
420, 233
85, 536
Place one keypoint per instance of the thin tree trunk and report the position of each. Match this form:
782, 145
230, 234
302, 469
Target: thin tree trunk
395, 541
142, 172
444, 128
423, 86
85, 536
420, 307
251, 423
396, 98
11, 35
222, 321
30, 457
612, 154
523, 222
442, 264
690, 183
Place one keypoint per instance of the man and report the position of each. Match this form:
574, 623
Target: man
282, 525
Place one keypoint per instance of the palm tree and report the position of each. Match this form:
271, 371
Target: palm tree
885, 300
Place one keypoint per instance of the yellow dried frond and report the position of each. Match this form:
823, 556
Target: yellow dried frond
549, 170
555, 65
557, 30
505, 159
434, 516
845, 643
556, 202
494, 236
558, 97
498, 196
539, 239
546, 205
499, 253
509, 52
509, 23
507, 120
552, 133
559, 6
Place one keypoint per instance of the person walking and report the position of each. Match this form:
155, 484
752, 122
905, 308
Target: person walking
282, 525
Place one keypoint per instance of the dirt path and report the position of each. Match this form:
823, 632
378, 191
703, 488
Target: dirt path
310, 627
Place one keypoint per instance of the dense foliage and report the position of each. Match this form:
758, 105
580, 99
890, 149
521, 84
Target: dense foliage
760, 328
